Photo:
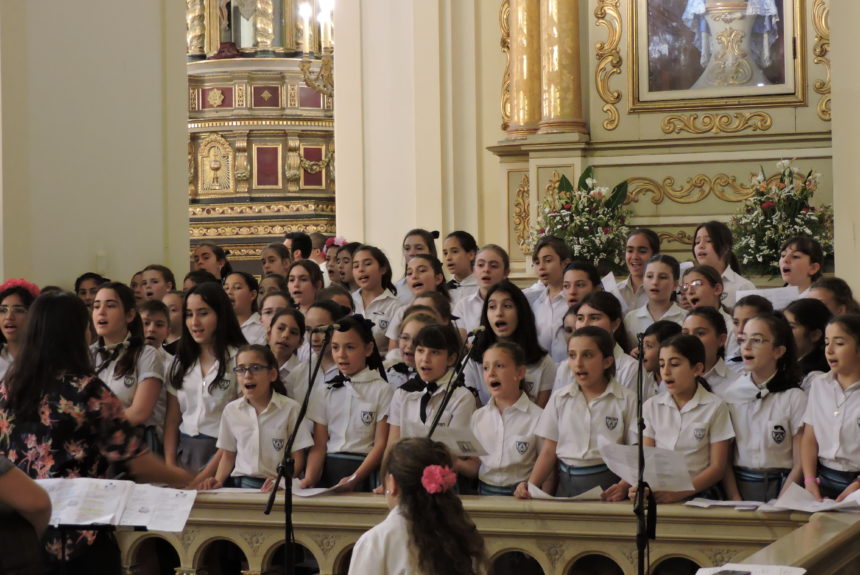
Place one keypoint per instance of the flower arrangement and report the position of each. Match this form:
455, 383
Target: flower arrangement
591, 219
778, 210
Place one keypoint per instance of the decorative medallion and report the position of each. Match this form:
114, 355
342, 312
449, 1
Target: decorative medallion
215, 97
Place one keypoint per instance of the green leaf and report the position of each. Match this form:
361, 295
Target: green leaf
586, 174
617, 196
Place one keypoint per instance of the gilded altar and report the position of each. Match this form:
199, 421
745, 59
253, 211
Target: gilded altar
260, 122
684, 99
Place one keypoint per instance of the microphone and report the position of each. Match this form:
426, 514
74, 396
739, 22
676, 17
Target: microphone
326, 328
476, 331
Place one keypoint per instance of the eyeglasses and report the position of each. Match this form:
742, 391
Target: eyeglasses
755, 341
15, 309
253, 369
684, 288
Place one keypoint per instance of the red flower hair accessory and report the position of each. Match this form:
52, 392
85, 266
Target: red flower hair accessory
21, 283
438, 479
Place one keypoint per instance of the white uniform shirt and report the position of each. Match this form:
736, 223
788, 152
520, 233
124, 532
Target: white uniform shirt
381, 312
626, 373
6, 360
732, 283
405, 409
295, 388
149, 364
468, 309
834, 414
638, 320
201, 409
764, 426
466, 288
509, 439
629, 298
720, 377
549, 316
732, 348
396, 378
385, 549
575, 423
253, 330
351, 412
259, 440
690, 431
540, 376
404, 294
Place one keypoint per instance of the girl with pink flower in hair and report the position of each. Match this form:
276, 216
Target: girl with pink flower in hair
15, 299
427, 530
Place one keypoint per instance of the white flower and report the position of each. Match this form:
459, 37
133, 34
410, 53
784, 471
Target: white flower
590, 182
783, 165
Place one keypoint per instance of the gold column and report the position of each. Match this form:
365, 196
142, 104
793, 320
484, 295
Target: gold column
525, 67
195, 28
264, 30
561, 89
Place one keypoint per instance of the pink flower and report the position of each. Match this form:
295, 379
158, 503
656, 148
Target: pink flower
22, 283
437, 479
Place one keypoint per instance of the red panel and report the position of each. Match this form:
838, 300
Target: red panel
267, 96
313, 155
309, 98
226, 92
267, 166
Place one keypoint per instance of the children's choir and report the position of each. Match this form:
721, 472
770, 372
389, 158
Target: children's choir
754, 398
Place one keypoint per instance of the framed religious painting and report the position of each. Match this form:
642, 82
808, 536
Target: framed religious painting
700, 54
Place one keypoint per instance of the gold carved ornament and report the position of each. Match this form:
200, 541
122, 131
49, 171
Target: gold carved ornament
504, 24
681, 237
695, 190
522, 217
215, 97
608, 59
716, 123
323, 82
292, 173
732, 67
215, 166
195, 27
264, 24
316, 167
821, 49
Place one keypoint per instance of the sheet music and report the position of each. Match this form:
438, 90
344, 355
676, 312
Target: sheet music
158, 508
799, 499
299, 491
753, 569
708, 503
665, 470
779, 297
592, 494
461, 441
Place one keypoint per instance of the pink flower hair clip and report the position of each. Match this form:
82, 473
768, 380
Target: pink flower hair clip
438, 479
21, 283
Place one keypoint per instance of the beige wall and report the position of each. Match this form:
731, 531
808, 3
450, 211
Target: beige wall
93, 138
416, 106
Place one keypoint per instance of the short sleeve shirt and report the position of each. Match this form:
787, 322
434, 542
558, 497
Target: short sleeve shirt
834, 414
405, 409
382, 311
510, 439
202, 399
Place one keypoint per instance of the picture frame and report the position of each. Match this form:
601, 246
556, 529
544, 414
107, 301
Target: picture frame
707, 54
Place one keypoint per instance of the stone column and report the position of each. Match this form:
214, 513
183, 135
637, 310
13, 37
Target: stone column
561, 81
525, 67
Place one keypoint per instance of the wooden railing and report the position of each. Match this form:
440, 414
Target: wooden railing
556, 535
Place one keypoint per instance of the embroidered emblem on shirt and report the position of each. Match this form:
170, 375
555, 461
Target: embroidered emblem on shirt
367, 417
383, 324
278, 444
224, 384
699, 433
466, 447
778, 433
527, 387
522, 447
611, 422
129, 381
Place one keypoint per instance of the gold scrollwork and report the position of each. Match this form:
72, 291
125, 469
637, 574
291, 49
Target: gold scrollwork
249, 229
732, 67
695, 190
716, 123
821, 49
609, 60
215, 97
504, 24
293, 174
522, 218
681, 237
232, 210
551, 189
324, 80
316, 167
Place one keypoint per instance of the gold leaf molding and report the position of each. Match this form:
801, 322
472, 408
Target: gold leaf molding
504, 25
522, 217
681, 237
609, 60
229, 210
821, 49
695, 190
716, 123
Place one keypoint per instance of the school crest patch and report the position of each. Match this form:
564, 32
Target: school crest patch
527, 386
778, 433
367, 417
611, 422
522, 447
383, 323
224, 384
466, 447
278, 444
699, 433
129, 381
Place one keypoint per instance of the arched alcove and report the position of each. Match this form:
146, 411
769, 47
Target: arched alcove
594, 564
221, 557
675, 566
305, 561
155, 556
515, 562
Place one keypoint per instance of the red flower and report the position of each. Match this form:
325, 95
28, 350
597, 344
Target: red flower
567, 206
607, 230
804, 211
542, 231
768, 205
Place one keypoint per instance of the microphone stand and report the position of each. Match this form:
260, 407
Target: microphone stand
646, 519
455, 381
286, 467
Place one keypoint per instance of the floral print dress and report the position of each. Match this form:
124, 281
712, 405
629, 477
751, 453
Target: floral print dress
80, 430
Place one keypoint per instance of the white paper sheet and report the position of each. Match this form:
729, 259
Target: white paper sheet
797, 498
234, 491
460, 441
609, 283
592, 494
753, 569
664, 470
298, 491
779, 297
708, 503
